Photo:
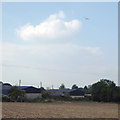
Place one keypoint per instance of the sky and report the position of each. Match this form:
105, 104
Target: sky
62, 42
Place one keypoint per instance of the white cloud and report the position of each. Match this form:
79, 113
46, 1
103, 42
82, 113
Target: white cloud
61, 14
54, 27
92, 50
17, 53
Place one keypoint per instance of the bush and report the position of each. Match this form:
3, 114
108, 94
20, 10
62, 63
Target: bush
5, 98
16, 94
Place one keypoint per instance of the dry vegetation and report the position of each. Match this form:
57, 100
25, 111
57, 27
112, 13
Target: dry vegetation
59, 110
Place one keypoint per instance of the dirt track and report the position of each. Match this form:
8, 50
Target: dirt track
59, 110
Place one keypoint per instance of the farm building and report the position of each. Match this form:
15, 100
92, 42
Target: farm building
6, 84
74, 93
58, 92
31, 92
5, 89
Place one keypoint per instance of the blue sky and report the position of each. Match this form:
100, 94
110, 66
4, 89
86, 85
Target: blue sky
72, 51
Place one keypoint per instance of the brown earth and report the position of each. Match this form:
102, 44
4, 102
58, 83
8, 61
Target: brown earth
59, 110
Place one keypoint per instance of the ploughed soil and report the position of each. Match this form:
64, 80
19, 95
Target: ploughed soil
59, 110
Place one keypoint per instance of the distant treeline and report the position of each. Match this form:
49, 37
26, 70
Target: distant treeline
101, 91
105, 91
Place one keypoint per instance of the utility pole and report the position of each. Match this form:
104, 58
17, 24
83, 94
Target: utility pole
19, 82
52, 86
40, 84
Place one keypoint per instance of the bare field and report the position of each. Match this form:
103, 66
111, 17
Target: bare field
59, 110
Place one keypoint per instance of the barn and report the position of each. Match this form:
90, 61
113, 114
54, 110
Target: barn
77, 93
31, 92
57, 92
74, 93
5, 90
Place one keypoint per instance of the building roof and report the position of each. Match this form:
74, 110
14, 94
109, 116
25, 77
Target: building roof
23, 87
72, 92
28, 89
61, 90
32, 90
5, 89
6, 84
77, 92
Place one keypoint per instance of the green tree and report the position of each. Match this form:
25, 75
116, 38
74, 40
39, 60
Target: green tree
16, 94
42, 89
74, 86
118, 94
104, 90
85, 89
46, 94
62, 86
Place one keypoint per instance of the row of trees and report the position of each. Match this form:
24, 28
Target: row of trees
74, 86
101, 91
106, 91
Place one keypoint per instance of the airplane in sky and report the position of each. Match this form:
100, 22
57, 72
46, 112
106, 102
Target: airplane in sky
86, 18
